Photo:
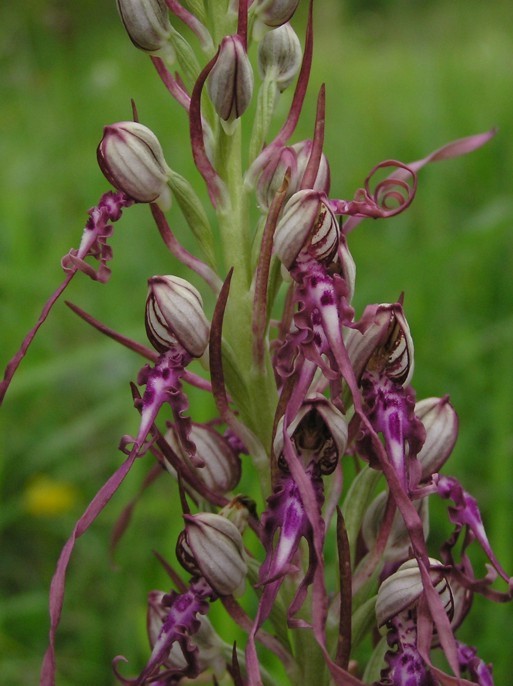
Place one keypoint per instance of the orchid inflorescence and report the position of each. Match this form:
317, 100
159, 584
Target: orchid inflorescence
301, 385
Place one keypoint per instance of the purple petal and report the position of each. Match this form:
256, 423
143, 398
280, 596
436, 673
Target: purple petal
462, 146
466, 513
199, 153
173, 86
57, 587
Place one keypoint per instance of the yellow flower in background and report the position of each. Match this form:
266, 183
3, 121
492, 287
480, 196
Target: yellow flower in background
48, 497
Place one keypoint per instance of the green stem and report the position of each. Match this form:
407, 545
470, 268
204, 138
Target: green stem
252, 388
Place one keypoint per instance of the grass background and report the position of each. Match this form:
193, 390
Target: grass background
403, 77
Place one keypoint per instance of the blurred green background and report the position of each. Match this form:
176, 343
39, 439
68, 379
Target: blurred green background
403, 77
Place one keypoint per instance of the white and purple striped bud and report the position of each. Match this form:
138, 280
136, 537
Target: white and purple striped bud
303, 150
402, 590
382, 343
398, 543
293, 159
441, 423
275, 12
174, 316
131, 158
221, 469
319, 433
307, 230
230, 83
146, 22
238, 511
271, 179
211, 546
279, 56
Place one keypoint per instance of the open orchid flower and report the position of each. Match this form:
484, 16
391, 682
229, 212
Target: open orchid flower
296, 379
319, 436
206, 544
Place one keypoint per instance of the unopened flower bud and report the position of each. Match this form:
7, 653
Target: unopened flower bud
146, 22
307, 229
238, 511
211, 546
221, 469
275, 12
398, 542
131, 158
293, 159
279, 56
382, 343
230, 83
319, 432
401, 591
303, 150
441, 423
174, 315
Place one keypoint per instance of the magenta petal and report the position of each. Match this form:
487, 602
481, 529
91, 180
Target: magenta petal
199, 152
57, 587
461, 146
466, 513
173, 86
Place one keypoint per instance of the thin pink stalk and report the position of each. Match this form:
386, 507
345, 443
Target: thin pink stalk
185, 257
199, 153
15, 362
192, 22
174, 87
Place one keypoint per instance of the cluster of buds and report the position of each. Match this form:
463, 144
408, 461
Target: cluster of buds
297, 397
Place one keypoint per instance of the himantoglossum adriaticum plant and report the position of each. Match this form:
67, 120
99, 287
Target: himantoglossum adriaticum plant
300, 384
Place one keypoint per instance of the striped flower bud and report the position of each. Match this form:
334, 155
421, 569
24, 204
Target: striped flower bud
174, 315
319, 433
131, 158
307, 230
146, 22
230, 83
272, 176
238, 511
279, 56
275, 12
293, 159
221, 470
211, 546
382, 343
402, 590
303, 150
441, 423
